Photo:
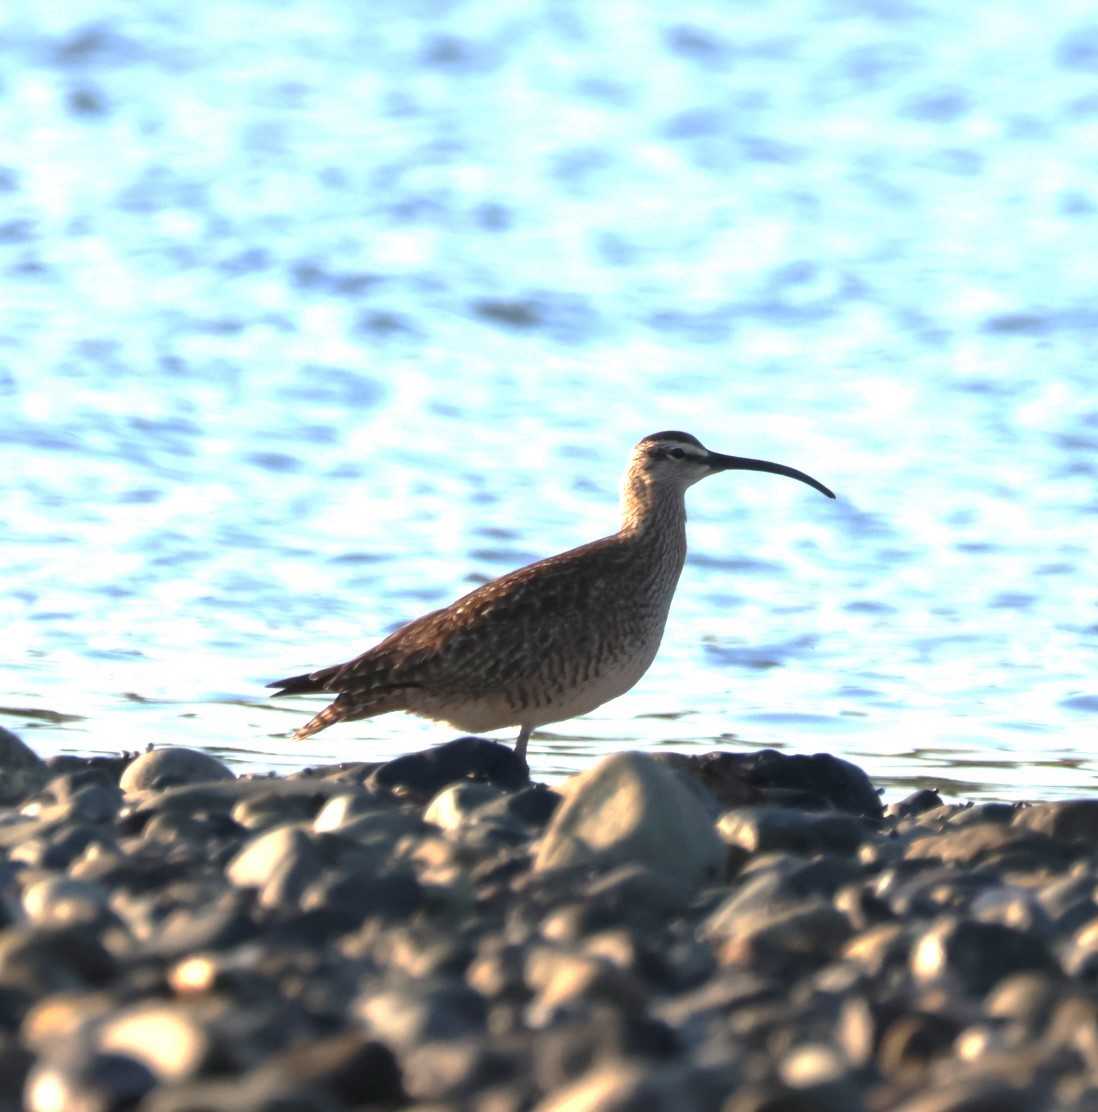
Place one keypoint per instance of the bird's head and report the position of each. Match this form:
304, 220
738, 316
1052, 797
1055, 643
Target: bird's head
679, 460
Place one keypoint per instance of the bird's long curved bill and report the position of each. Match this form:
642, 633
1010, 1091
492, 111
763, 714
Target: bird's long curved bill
741, 463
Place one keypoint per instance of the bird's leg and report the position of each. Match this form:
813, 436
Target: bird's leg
523, 738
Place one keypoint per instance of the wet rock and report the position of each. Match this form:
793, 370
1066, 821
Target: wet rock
22, 771
914, 804
1066, 818
819, 782
110, 766
86, 796
629, 809
165, 768
312, 943
422, 775
992, 843
766, 829
392, 895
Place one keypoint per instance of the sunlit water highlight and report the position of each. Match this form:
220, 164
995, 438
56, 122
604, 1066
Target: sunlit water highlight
316, 315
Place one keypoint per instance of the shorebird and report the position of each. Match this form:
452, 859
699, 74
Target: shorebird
552, 640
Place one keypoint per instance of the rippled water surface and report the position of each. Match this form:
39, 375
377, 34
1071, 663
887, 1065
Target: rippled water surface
317, 314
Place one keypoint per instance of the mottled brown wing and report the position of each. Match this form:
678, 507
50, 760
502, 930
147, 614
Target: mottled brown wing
496, 634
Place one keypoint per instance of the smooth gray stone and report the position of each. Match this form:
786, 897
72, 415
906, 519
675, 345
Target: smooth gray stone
639, 888
783, 883
42, 895
812, 932
258, 1091
174, 1042
498, 969
341, 810
1029, 999
78, 1081
456, 1069
85, 796
217, 923
1001, 845
1013, 907
628, 1087
354, 1069
16, 1060
912, 1041
776, 1097
1063, 818
58, 900
43, 960
630, 809
420, 1011
383, 828
532, 807
222, 796
170, 767
574, 1046
933, 889
767, 829
458, 804
980, 1095
57, 847
280, 863
561, 977
976, 955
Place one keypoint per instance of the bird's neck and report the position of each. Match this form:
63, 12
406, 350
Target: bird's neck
655, 517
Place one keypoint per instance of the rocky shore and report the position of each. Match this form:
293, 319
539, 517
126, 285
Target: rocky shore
726, 933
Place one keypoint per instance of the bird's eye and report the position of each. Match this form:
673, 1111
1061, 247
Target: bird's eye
677, 453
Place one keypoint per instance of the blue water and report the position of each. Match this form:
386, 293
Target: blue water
313, 315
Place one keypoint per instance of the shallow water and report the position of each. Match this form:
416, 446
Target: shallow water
316, 315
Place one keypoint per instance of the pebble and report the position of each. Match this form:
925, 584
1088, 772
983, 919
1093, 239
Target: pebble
726, 933
165, 768
629, 808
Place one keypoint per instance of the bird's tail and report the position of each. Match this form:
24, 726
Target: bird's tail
308, 683
329, 715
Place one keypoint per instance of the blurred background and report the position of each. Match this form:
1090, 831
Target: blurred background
315, 314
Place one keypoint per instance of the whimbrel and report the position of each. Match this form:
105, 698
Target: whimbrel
552, 640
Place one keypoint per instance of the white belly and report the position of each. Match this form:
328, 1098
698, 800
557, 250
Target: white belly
495, 712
